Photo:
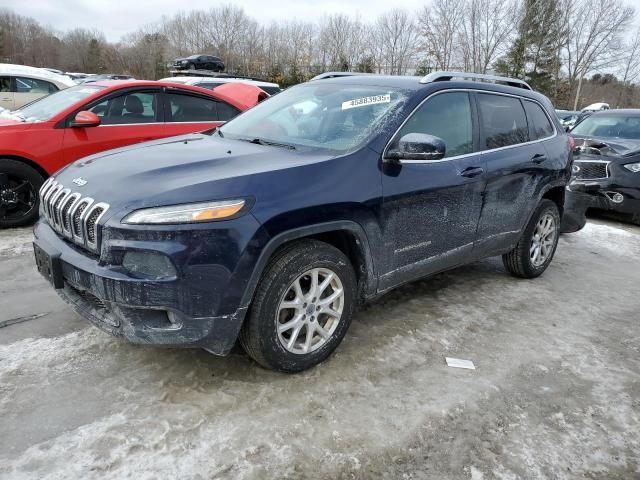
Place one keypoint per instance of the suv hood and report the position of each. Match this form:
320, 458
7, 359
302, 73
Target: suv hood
185, 169
610, 147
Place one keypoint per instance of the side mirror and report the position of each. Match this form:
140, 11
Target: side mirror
418, 146
85, 119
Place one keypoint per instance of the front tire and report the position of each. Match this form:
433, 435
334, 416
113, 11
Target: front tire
535, 249
302, 308
19, 185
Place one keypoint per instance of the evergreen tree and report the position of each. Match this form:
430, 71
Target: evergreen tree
532, 55
94, 56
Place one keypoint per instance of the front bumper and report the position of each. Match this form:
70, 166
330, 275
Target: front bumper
199, 307
597, 195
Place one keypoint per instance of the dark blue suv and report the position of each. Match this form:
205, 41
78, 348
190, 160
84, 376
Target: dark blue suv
275, 227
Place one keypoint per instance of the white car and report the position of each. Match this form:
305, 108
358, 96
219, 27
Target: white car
20, 84
213, 82
596, 107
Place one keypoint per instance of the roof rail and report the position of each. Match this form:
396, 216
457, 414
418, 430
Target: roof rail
209, 73
477, 77
324, 75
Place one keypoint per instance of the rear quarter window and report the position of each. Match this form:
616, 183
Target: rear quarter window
539, 124
502, 121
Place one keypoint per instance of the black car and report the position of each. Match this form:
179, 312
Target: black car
606, 168
199, 62
274, 227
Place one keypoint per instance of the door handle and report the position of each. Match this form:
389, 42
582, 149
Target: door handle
538, 158
471, 172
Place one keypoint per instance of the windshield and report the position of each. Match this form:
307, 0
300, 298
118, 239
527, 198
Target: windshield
336, 117
609, 126
43, 109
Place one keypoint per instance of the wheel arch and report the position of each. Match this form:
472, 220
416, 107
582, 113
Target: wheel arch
36, 166
555, 193
347, 236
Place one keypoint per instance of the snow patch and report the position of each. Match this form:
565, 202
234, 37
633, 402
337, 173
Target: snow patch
612, 239
15, 241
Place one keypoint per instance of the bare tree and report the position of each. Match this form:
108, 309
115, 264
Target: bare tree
440, 26
397, 40
631, 69
594, 37
486, 32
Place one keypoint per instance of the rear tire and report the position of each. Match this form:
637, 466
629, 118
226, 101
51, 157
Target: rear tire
293, 325
19, 185
535, 249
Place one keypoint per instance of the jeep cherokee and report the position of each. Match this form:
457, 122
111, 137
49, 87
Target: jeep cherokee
274, 227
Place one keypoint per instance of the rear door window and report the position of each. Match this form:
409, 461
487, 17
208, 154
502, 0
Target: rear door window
539, 124
226, 112
189, 108
447, 116
34, 85
502, 121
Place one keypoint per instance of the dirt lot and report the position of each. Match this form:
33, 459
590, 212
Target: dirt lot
556, 393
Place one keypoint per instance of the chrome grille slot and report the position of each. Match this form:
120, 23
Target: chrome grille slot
72, 215
65, 211
57, 204
91, 223
51, 195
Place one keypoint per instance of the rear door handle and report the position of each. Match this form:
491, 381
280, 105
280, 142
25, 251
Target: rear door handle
538, 158
471, 172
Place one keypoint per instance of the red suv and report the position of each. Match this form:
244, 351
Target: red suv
51, 132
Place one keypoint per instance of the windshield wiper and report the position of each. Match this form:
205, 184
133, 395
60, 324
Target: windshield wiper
259, 141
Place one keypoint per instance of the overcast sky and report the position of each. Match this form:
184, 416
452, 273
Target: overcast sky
117, 18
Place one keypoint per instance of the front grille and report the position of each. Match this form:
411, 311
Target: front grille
72, 215
591, 170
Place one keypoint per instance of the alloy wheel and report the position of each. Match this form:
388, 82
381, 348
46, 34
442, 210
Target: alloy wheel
310, 310
17, 197
544, 237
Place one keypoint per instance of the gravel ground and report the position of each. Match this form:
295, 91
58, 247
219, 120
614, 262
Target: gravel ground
556, 393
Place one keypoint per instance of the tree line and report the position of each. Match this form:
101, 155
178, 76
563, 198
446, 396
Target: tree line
574, 51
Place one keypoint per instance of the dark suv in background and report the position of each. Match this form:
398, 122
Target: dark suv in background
606, 168
199, 62
276, 226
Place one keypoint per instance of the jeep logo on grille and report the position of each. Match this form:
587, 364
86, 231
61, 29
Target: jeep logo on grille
81, 182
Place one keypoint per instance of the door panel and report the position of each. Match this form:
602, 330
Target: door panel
126, 120
431, 209
80, 142
514, 171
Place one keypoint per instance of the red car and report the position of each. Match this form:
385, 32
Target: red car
51, 132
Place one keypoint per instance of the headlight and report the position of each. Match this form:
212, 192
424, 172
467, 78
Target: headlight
188, 213
634, 167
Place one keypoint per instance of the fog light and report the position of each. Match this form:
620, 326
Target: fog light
151, 265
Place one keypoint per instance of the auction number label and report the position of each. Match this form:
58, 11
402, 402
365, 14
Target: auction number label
361, 102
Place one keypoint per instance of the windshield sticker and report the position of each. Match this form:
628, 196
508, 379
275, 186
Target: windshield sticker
361, 102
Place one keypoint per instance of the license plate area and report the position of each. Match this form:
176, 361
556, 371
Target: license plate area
49, 265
